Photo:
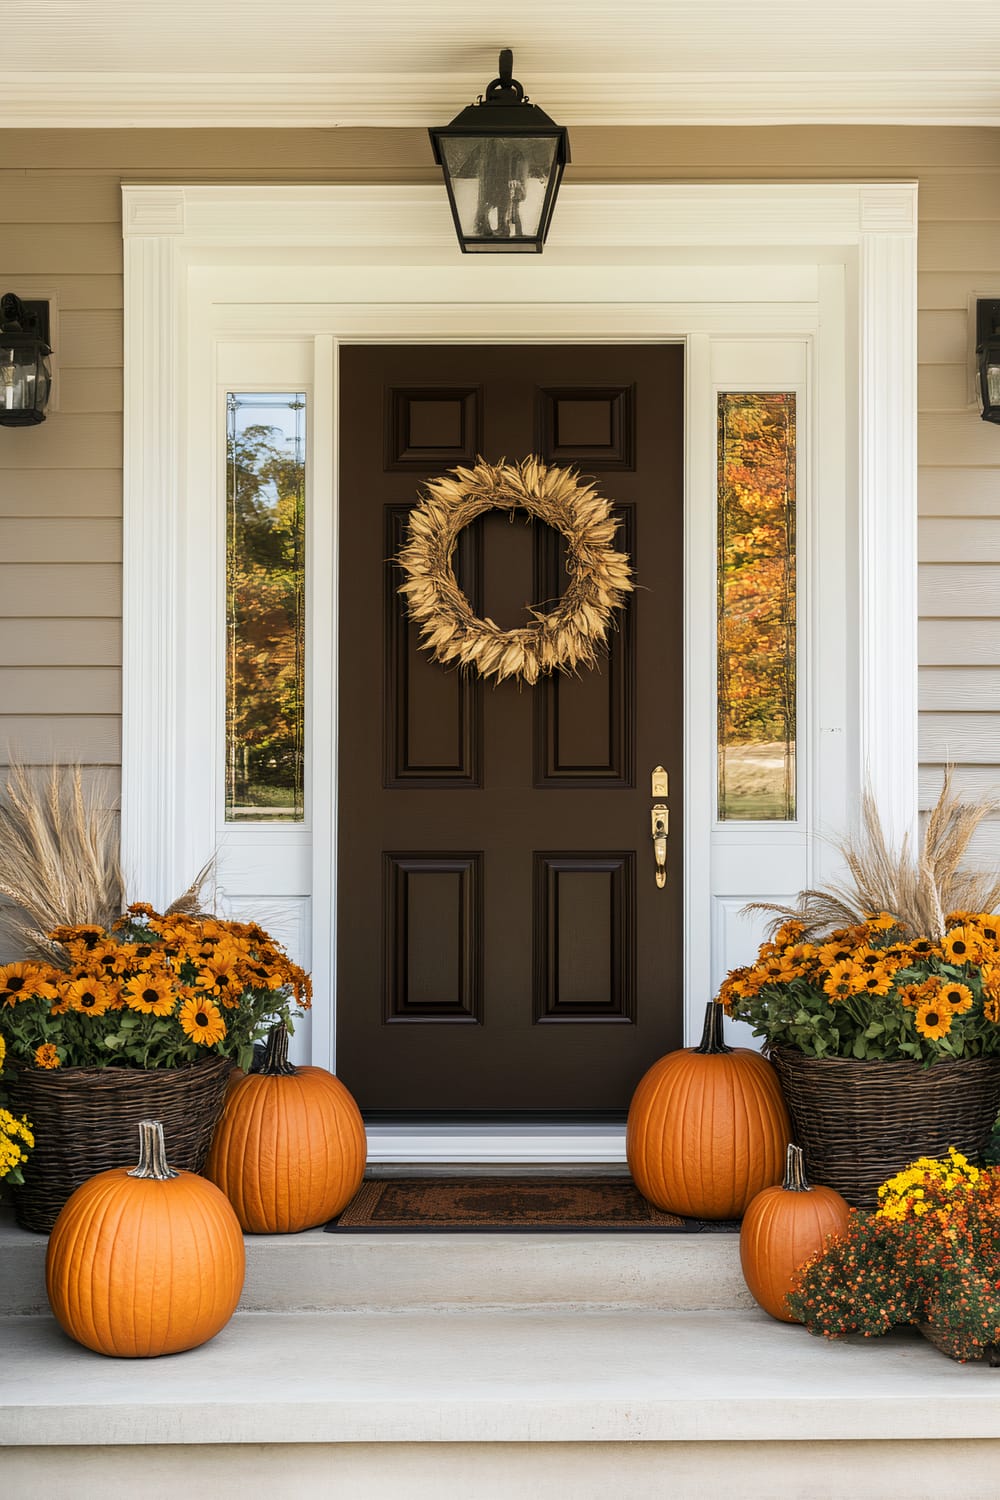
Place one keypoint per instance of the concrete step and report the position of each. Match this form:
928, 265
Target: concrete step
625, 1402
329, 1272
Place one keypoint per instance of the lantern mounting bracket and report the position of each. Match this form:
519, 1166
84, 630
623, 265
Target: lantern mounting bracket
505, 89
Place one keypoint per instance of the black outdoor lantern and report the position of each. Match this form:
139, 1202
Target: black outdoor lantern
988, 357
503, 161
25, 372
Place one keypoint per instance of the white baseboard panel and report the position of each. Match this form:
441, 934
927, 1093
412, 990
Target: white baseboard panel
496, 1145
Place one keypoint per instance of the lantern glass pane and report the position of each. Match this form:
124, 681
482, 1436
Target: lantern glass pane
18, 376
756, 606
265, 607
499, 183
993, 384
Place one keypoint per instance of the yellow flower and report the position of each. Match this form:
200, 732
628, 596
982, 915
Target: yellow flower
933, 1019
875, 982
883, 922
958, 997
3, 1052
88, 996
46, 1056
20, 982
202, 1020
151, 994
834, 953
962, 945
220, 978
841, 982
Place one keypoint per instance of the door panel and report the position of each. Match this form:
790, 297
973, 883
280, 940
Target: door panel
503, 945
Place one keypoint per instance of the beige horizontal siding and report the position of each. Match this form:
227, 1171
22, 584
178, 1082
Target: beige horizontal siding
60, 485
56, 492
969, 590
67, 643
93, 739
955, 643
960, 539
975, 689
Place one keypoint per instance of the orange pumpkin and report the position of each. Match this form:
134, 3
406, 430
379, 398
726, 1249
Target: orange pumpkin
707, 1128
289, 1151
784, 1227
145, 1262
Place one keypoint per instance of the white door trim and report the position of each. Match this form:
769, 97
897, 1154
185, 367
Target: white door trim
623, 262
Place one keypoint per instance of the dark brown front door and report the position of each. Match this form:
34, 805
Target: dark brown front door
503, 945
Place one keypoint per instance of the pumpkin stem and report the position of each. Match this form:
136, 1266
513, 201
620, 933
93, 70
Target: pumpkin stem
275, 1060
152, 1153
711, 1037
795, 1172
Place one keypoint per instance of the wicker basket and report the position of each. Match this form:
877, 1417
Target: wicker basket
85, 1120
861, 1122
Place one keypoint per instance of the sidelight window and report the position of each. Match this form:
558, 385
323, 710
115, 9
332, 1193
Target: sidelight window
756, 604
265, 606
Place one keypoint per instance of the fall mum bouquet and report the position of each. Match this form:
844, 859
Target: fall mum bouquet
150, 991
900, 961
16, 1137
929, 1255
871, 992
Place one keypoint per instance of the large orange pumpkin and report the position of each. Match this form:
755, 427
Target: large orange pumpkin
289, 1151
707, 1128
145, 1262
783, 1228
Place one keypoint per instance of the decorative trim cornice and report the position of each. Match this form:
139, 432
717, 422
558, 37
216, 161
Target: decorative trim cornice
324, 101
589, 216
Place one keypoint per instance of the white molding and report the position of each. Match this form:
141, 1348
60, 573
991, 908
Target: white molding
598, 1145
887, 526
323, 101
151, 662
588, 217
408, 279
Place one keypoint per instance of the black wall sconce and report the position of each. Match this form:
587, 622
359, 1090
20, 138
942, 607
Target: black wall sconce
988, 357
25, 372
503, 161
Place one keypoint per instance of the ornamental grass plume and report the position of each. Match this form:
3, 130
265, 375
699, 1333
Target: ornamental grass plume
929, 1255
917, 886
59, 857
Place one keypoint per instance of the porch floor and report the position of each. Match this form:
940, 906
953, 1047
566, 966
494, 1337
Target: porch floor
482, 1366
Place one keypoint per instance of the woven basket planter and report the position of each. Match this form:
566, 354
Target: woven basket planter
861, 1122
85, 1120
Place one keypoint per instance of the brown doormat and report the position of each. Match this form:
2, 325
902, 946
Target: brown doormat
512, 1205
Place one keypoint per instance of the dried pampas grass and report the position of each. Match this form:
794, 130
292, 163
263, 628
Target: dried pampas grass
565, 639
917, 886
59, 856
60, 862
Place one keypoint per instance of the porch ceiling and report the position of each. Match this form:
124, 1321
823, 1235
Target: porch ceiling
320, 63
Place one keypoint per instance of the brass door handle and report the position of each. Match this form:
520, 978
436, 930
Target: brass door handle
659, 819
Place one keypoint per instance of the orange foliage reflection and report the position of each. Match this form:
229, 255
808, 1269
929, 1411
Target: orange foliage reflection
756, 605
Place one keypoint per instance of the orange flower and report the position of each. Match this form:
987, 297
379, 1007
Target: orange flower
842, 981
202, 1021
933, 1020
22, 981
958, 997
151, 995
46, 1056
89, 996
962, 945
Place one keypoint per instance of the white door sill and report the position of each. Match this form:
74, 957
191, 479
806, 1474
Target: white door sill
496, 1145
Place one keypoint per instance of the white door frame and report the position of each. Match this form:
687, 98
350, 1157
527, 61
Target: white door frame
624, 264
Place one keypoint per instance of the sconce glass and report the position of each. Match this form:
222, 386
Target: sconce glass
503, 161
988, 357
25, 372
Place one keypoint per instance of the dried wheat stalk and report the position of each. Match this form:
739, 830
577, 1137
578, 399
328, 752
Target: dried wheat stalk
59, 859
565, 639
918, 887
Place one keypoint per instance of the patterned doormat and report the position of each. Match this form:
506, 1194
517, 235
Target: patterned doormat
511, 1205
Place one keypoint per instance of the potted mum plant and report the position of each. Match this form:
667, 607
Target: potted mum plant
927, 1256
16, 1138
879, 1003
116, 1012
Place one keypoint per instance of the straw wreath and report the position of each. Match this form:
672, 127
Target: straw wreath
566, 638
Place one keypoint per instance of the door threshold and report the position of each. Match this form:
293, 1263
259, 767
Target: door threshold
495, 1144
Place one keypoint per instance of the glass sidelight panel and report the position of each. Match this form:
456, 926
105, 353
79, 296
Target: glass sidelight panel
265, 606
756, 605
